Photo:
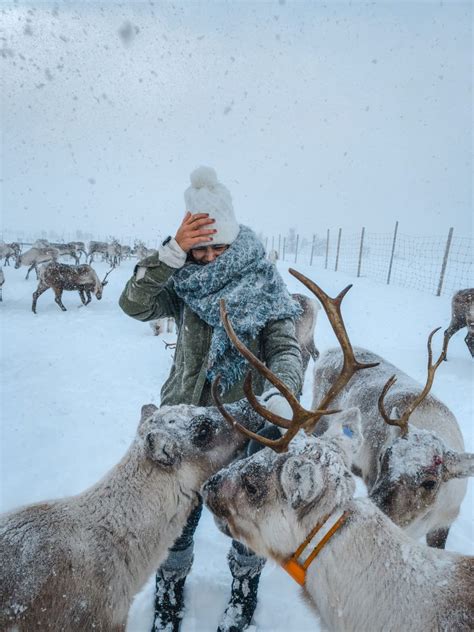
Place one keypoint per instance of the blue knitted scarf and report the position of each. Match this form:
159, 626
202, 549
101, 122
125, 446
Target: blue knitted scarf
254, 293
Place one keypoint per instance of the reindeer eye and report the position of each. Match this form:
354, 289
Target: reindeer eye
428, 485
250, 488
202, 433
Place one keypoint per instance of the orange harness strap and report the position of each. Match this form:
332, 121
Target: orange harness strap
293, 565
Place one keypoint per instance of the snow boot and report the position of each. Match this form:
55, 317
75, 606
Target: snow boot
245, 567
169, 604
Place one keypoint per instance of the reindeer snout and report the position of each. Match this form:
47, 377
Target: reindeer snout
161, 450
213, 496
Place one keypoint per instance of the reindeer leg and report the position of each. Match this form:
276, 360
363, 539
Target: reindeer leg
437, 538
455, 325
89, 297
58, 294
39, 290
83, 298
29, 270
469, 340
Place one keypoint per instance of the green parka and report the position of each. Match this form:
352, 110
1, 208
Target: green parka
152, 297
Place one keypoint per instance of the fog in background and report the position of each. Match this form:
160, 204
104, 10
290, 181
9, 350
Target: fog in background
314, 115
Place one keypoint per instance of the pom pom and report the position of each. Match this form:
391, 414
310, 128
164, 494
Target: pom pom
204, 177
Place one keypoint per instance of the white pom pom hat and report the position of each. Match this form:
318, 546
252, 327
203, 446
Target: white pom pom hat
207, 195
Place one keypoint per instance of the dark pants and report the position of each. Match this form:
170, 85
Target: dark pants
242, 560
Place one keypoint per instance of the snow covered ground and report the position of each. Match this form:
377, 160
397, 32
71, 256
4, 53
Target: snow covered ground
73, 384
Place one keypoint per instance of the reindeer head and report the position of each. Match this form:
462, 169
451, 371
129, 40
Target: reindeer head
99, 287
270, 500
414, 465
195, 440
412, 471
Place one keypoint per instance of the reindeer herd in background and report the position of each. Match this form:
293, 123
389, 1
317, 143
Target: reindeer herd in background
61, 276
293, 502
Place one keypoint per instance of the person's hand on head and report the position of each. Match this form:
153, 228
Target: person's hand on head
194, 230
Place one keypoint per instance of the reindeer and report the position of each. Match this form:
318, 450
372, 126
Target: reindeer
141, 251
462, 315
114, 253
60, 277
273, 256
76, 563
67, 250
304, 326
34, 256
6, 251
293, 502
80, 248
97, 246
162, 325
125, 252
9, 250
414, 471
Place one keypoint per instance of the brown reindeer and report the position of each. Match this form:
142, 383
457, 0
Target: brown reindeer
462, 315
60, 277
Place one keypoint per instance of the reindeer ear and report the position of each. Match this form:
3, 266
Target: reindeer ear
458, 465
147, 411
299, 481
345, 428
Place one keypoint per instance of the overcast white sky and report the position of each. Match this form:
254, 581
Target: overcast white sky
314, 115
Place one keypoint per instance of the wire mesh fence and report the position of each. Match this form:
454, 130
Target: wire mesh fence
434, 264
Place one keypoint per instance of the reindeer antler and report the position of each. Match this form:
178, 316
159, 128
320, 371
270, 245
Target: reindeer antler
112, 268
332, 307
402, 423
300, 414
302, 418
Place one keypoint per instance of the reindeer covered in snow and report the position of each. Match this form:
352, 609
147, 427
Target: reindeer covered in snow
294, 504
60, 277
462, 315
412, 458
75, 564
35, 256
9, 250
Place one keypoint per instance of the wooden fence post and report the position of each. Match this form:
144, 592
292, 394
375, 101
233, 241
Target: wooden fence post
327, 251
445, 261
393, 252
312, 251
296, 248
337, 250
361, 250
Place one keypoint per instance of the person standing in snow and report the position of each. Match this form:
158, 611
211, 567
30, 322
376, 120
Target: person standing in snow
213, 257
